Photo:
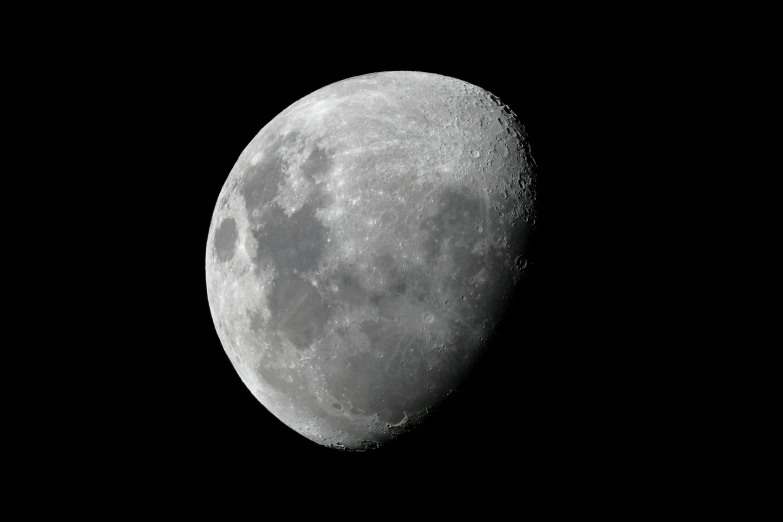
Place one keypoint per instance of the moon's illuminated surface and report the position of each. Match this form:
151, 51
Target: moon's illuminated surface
362, 248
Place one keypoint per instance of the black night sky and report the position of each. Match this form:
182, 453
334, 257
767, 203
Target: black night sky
546, 399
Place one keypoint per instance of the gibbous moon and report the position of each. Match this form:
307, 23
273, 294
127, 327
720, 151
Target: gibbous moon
363, 248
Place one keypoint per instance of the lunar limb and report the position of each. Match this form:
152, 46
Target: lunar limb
363, 247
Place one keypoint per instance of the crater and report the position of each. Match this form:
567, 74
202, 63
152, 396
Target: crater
225, 241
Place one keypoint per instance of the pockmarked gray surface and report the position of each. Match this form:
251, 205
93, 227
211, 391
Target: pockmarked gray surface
363, 248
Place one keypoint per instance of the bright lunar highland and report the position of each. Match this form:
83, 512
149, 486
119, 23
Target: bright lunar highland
365, 246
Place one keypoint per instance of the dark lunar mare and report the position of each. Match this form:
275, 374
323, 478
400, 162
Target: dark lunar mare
226, 237
260, 182
294, 245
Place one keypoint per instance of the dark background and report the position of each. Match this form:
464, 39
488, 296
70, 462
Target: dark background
131, 120
553, 401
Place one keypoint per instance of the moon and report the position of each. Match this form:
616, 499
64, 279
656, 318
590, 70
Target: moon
364, 247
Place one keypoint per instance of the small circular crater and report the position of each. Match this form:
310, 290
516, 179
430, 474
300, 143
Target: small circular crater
475, 153
429, 318
479, 229
337, 406
463, 298
396, 319
520, 262
447, 303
